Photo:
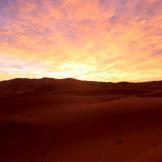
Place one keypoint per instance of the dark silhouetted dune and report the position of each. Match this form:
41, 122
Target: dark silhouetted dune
68, 120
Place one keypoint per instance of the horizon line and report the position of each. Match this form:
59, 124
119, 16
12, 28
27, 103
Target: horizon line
30, 78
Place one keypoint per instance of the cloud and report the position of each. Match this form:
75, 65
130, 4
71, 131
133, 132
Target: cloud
94, 40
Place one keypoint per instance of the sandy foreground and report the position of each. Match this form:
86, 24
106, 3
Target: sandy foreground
67, 127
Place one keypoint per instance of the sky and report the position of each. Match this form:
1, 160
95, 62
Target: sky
100, 40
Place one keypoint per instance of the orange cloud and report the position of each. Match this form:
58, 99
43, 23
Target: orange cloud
93, 40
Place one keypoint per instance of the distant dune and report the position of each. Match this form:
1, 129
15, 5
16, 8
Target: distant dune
68, 120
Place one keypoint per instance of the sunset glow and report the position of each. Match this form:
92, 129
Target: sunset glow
102, 40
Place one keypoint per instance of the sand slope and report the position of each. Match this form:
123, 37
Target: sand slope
86, 122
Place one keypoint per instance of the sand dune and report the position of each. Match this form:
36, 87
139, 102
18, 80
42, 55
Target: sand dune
154, 154
68, 120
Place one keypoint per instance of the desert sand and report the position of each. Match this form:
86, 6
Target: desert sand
67, 120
